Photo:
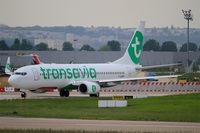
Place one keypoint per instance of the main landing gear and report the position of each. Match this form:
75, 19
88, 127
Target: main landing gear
64, 93
94, 95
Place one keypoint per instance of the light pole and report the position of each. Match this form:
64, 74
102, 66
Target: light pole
188, 17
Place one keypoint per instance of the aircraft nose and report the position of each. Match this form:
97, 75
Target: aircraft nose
12, 81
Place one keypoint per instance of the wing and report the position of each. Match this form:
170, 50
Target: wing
137, 78
158, 66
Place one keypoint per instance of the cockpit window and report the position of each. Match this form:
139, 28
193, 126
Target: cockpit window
20, 73
24, 73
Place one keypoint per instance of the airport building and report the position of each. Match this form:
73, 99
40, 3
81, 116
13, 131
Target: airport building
147, 58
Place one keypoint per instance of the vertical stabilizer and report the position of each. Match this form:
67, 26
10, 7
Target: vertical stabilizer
134, 49
35, 60
7, 67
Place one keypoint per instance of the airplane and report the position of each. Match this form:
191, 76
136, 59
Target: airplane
9, 71
35, 61
87, 78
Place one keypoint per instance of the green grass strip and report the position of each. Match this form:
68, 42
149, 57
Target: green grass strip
180, 108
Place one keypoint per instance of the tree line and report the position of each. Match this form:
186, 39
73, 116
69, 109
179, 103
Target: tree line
22, 45
150, 45
67, 46
153, 45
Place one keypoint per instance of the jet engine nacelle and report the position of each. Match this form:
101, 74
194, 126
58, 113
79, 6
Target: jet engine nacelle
89, 88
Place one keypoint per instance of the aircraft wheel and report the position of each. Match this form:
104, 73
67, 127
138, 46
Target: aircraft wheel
64, 93
23, 95
94, 95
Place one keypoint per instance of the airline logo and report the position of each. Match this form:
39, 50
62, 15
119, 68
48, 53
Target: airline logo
94, 88
8, 67
68, 73
135, 48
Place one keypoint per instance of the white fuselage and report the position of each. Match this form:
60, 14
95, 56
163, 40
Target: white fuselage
87, 77
60, 75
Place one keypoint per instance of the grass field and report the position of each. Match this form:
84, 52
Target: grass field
165, 108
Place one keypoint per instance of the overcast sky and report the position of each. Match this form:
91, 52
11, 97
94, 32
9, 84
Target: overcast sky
117, 13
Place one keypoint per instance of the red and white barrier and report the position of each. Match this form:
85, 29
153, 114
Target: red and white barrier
149, 86
7, 89
2, 90
154, 86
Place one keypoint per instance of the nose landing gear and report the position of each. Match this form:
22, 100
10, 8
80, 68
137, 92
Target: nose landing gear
23, 95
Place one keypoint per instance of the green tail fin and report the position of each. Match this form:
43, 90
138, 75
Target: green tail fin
134, 50
7, 67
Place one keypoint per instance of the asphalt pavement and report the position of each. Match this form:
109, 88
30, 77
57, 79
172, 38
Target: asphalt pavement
98, 125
